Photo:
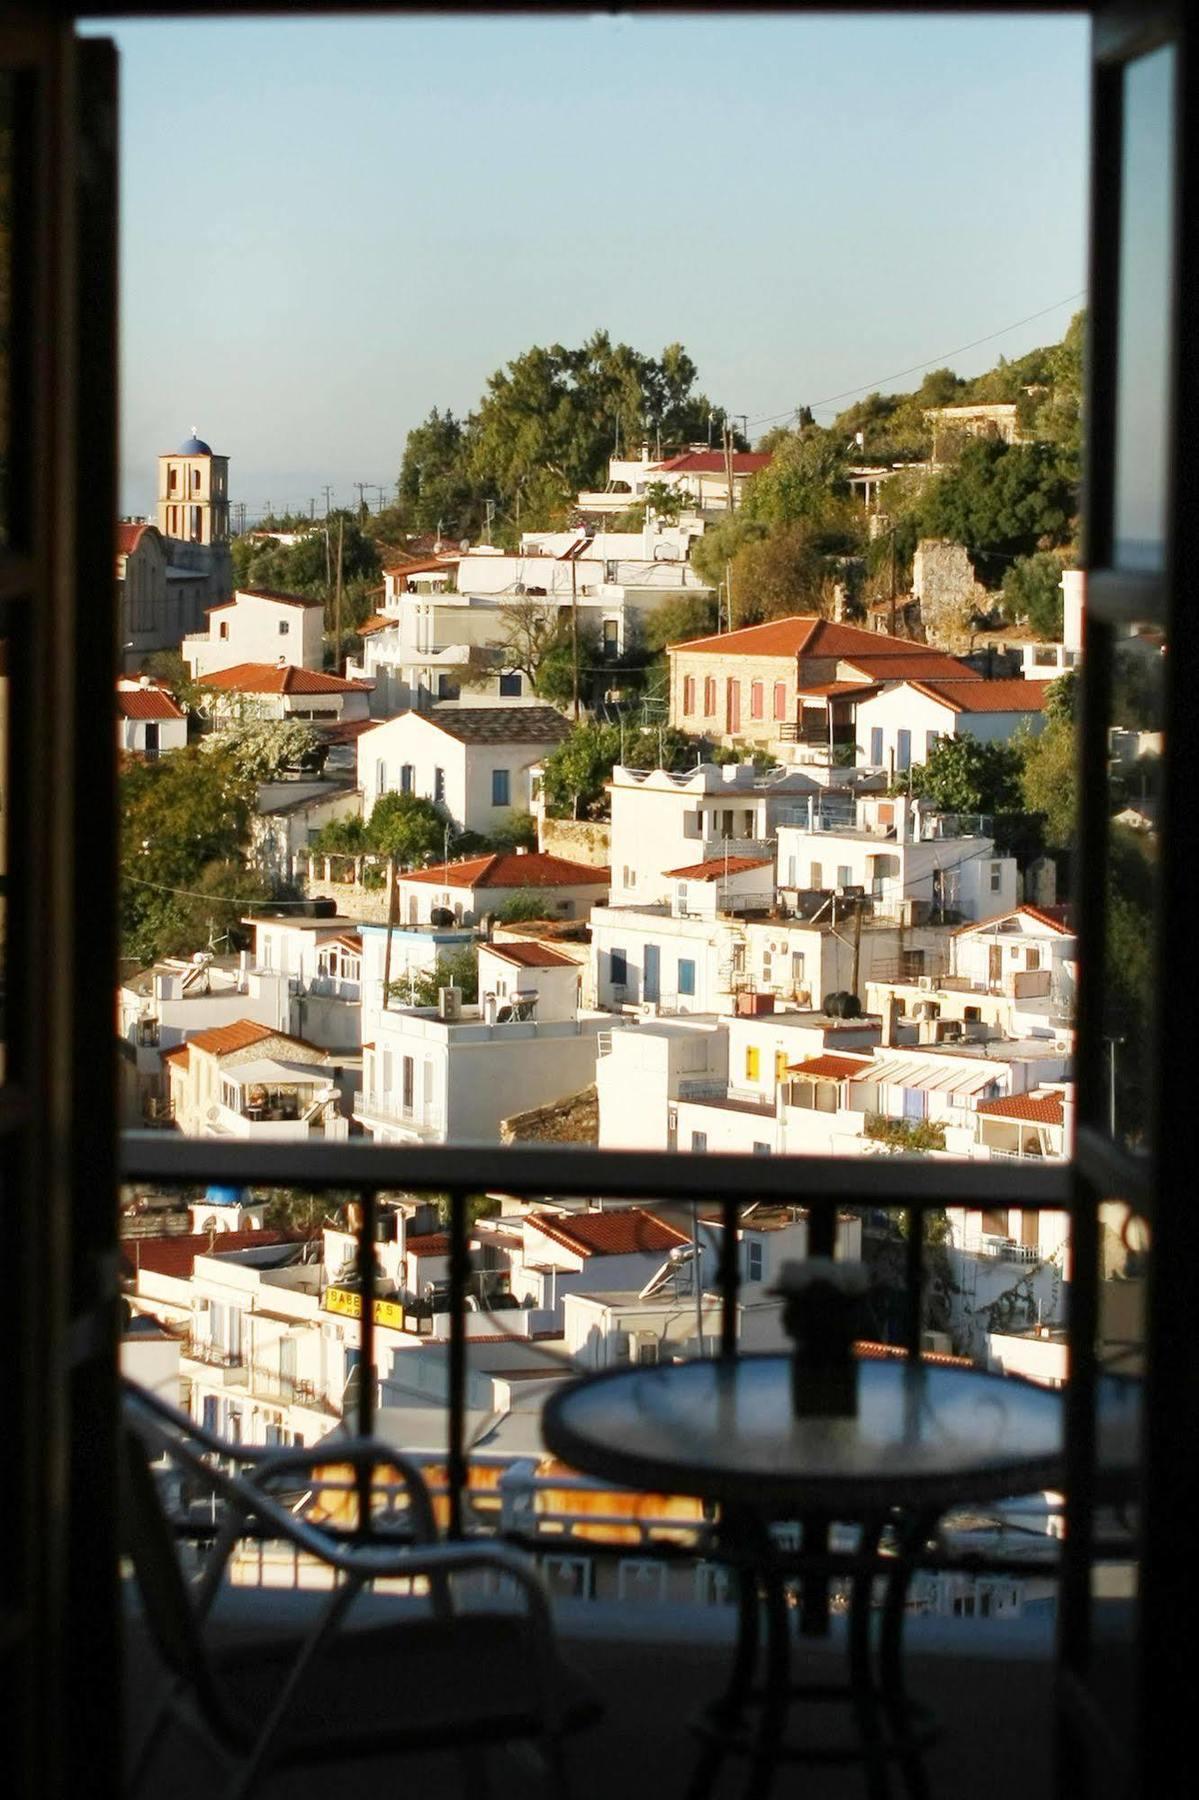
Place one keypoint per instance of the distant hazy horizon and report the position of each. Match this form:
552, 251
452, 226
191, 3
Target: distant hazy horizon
329, 227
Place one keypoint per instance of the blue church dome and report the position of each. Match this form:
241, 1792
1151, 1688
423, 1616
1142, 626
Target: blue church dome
195, 446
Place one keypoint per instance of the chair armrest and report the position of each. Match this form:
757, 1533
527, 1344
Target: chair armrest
362, 1455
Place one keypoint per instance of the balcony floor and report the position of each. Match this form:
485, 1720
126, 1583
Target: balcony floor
992, 1689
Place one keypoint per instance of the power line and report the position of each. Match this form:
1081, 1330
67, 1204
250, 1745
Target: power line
216, 899
880, 380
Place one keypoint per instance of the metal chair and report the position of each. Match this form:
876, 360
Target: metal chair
456, 1680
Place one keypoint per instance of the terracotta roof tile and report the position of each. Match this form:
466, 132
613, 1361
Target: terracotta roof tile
717, 867
1055, 917
621, 1232
831, 1068
803, 634
898, 666
531, 956
376, 622
432, 1243
221, 1040
1035, 1109
508, 870
176, 1256
130, 536
285, 678
1010, 694
147, 703
711, 462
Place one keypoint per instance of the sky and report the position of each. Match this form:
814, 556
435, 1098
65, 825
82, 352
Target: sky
329, 228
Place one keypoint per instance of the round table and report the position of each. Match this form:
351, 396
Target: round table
925, 1437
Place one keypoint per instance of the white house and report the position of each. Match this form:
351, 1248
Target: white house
900, 724
465, 892
909, 860
641, 1073
530, 981
263, 691
451, 1074
663, 820
288, 815
699, 474
564, 1253
258, 625
149, 719
160, 1007
248, 1081
475, 761
1025, 952
393, 956
320, 961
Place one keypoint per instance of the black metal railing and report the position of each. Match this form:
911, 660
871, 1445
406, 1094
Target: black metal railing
723, 1185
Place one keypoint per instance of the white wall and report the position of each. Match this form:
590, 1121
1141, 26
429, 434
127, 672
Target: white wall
640, 1076
708, 944
257, 630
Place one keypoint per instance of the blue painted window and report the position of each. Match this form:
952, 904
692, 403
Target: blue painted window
500, 788
686, 976
619, 968
876, 745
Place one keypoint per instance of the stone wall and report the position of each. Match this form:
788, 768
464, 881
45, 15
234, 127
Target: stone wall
579, 840
325, 878
944, 582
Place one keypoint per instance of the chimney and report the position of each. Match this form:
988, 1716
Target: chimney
890, 1022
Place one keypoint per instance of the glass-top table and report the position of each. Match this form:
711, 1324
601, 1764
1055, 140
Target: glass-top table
925, 1437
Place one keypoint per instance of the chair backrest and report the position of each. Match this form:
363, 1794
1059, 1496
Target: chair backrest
151, 1543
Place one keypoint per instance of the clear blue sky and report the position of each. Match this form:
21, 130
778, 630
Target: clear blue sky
329, 228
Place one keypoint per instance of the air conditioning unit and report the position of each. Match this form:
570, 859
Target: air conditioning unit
925, 983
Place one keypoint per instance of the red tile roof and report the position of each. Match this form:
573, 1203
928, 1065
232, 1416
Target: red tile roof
717, 867
831, 1068
1035, 1109
147, 703
376, 622
423, 565
803, 634
221, 1040
832, 690
508, 870
531, 956
433, 1243
1055, 917
896, 666
177, 1255
257, 593
621, 1232
286, 678
711, 462
129, 537
1011, 694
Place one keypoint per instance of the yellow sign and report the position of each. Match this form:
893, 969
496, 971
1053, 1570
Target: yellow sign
349, 1304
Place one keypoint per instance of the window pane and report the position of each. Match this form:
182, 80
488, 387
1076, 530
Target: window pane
1135, 765
1146, 279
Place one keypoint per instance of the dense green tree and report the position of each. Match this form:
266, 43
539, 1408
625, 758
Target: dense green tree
806, 473
268, 747
1049, 779
577, 771
184, 878
455, 968
962, 774
544, 428
310, 566
1001, 500
1032, 590
409, 828
690, 616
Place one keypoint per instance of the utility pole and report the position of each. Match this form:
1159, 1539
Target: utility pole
362, 487
490, 505
312, 509
574, 633
328, 493
728, 596
857, 945
728, 462
393, 916
337, 602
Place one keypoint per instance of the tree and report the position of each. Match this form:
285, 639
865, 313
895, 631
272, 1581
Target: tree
1032, 590
456, 968
961, 774
690, 616
577, 771
806, 473
1001, 500
410, 829
664, 501
183, 873
267, 748
1049, 779
528, 629
789, 571
517, 831
309, 568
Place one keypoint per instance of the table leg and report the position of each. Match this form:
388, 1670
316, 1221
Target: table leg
813, 1587
864, 1693
725, 1716
776, 1692
912, 1532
